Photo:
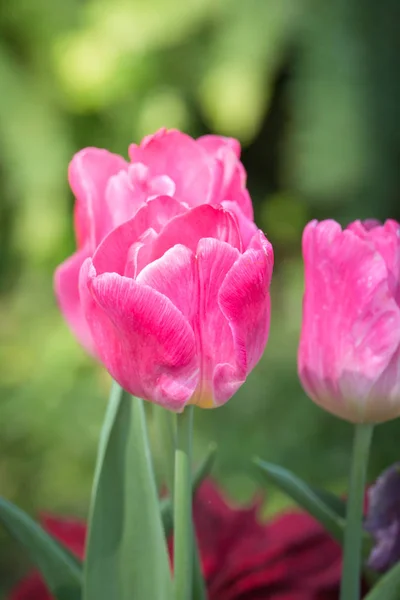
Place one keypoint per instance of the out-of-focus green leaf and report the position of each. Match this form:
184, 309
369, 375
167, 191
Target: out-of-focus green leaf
331, 149
126, 554
242, 61
61, 571
388, 587
345, 102
338, 505
304, 495
34, 151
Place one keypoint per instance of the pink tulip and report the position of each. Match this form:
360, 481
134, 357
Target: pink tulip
177, 307
349, 355
109, 191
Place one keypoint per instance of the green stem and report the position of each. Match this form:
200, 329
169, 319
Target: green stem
183, 533
165, 436
351, 574
199, 587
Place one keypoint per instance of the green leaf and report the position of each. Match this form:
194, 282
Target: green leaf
126, 555
200, 474
338, 505
61, 571
304, 495
388, 587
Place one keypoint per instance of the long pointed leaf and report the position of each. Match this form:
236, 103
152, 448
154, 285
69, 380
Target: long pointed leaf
338, 505
61, 571
388, 587
126, 555
303, 495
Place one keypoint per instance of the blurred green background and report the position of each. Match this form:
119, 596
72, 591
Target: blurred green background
311, 89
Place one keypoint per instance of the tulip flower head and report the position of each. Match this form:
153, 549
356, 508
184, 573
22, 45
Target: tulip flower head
178, 311
349, 354
169, 287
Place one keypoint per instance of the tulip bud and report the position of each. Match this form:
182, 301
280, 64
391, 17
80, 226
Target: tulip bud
349, 354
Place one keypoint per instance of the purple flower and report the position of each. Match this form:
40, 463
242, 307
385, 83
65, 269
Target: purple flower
383, 519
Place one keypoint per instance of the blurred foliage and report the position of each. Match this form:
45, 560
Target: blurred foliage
311, 89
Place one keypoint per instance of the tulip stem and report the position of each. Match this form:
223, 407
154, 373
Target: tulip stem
183, 528
351, 573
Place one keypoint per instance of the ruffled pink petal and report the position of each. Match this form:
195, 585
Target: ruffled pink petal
112, 253
141, 337
236, 191
122, 199
204, 221
214, 336
245, 302
177, 155
386, 240
362, 228
140, 254
229, 175
213, 143
127, 191
247, 227
88, 174
66, 285
174, 275
351, 322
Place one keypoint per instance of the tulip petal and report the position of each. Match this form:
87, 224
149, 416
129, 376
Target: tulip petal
139, 254
229, 175
351, 322
204, 221
127, 191
177, 155
66, 285
141, 337
245, 302
88, 174
174, 275
122, 199
383, 402
112, 253
213, 143
386, 240
247, 227
215, 342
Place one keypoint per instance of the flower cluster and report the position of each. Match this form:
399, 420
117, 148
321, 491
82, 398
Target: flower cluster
169, 286
170, 289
